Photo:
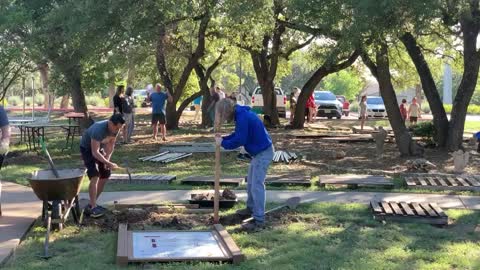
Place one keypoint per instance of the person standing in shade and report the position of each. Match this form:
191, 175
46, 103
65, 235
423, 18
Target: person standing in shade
4, 142
312, 108
403, 110
117, 99
128, 105
363, 111
96, 148
414, 112
158, 99
197, 104
252, 135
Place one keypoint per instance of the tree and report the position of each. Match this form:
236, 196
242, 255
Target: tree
345, 82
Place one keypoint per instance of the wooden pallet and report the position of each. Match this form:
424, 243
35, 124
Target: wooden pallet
443, 181
351, 138
366, 130
429, 213
287, 179
354, 181
141, 179
210, 180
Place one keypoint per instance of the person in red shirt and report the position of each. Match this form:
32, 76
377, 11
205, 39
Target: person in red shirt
346, 107
312, 109
403, 109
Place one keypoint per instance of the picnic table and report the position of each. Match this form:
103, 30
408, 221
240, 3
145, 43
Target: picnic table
35, 131
75, 116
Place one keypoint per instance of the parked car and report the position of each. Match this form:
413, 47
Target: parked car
140, 95
375, 107
328, 105
257, 101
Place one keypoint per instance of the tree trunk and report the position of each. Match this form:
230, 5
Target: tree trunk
131, 72
43, 69
440, 120
381, 71
327, 68
471, 65
73, 76
207, 97
111, 88
270, 111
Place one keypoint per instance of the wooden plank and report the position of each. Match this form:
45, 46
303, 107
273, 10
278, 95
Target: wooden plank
431, 181
407, 209
450, 180
422, 181
441, 181
122, 245
234, 251
346, 179
419, 210
396, 208
472, 181
376, 207
121, 206
386, 207
428, 209
210, 180
463, 182
410, 181
437, 209
288, 179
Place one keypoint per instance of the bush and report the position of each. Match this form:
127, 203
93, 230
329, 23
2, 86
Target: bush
354, 107
95, 101
14, 100
28, 101
106, 102
473, 109
448, 108
426, 108
424, 129
39, 99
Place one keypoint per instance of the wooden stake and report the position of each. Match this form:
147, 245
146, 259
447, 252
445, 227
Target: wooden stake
216, 198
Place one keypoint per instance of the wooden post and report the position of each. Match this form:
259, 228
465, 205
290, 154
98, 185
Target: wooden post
216, 199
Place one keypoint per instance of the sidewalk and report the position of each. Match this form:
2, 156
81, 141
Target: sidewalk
20, 208
444, 201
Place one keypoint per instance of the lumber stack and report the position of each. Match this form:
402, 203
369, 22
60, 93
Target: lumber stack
284, 156
165, 157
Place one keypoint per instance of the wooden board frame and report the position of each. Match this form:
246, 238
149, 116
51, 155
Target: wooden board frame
423, 212
442, 181
223, 238
141, 179
355, 182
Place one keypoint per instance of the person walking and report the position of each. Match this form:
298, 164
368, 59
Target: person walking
403, 110
4, 142
312, 108
128, 105
158, 99
363, 111
414, 112
252, 135
197, 104
117, 99
96, 149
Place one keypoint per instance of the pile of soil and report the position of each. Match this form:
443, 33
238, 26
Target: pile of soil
227, 194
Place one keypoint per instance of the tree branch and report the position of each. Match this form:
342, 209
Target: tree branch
297, 47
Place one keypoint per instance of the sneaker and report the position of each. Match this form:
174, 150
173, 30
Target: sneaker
244, 212
253, 226
97, 212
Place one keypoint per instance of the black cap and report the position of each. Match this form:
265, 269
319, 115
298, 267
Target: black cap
117, 119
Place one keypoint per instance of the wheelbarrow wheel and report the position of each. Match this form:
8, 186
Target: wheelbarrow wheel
56, 215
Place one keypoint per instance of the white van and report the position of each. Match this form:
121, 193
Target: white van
257, 101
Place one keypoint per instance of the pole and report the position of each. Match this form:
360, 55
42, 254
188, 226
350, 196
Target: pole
23, 85
33, 98
216, 198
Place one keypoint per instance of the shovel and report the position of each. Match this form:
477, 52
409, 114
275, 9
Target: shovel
125, 161
50, 161
290, 203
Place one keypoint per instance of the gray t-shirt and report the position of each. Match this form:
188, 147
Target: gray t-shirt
98, 131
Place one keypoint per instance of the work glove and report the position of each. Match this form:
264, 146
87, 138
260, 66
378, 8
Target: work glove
4, 146
218, 140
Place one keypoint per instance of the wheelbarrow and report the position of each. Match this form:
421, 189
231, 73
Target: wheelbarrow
59, 196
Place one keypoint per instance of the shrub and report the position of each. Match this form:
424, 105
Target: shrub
354, 107
425, 130
473, 109
106, 102
426, 108
95, 101
448, 108
28, 101
39, 99
14, 100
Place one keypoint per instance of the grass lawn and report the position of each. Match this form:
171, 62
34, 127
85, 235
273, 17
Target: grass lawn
316, 236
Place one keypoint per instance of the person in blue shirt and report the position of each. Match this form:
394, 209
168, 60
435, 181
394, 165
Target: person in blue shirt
158, 99
252, 135
196, 104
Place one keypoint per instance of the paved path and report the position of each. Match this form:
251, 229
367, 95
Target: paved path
445, 201
20, 208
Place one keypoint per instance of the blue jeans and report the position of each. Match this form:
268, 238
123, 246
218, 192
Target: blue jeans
257, 171
131, 126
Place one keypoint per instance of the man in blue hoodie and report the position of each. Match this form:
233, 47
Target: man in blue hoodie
252, 135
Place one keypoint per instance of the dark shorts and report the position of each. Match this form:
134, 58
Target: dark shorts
413, 119
95, 168
158, 118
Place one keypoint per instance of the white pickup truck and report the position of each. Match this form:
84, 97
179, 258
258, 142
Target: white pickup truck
257, 101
